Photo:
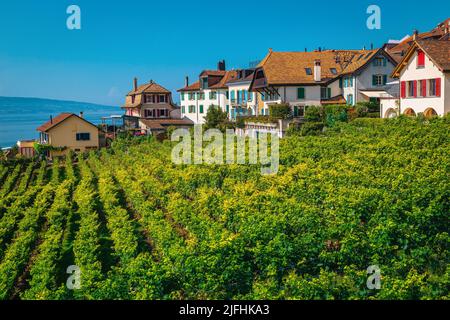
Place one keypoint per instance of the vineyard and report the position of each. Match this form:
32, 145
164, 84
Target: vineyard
371, 192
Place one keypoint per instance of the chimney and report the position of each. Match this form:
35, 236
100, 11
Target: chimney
81, 114
186, 81
415, 34
371, 46
221, 65
51, 119
317, 71
320, 49
135, 84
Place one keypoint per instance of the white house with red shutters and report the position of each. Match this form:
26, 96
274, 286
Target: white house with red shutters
424, 75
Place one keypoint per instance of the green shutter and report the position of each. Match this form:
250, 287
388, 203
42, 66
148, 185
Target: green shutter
295, 111
384, 79
183, 109
182, 96
384, 62
374, 80
340, 83
301, 93
329, 93
201, 108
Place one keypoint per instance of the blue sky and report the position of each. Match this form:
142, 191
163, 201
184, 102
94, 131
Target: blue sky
166, 40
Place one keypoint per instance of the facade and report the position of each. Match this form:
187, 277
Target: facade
424, 75
26, 148
152, 107
322, 77
210, 90
69, 131
242, 102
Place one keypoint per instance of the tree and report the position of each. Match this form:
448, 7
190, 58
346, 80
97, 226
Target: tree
216, 118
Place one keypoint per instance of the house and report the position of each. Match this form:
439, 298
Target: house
424, 74
210, 90
152, 107
26, 148
68, 131
242, 102
302, 79
399, 49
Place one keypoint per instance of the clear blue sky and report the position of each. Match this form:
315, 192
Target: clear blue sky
166, 40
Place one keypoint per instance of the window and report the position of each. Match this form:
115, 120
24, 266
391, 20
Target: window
333, 70
411, 88
190, 96
201, 108
348, 82
432, 87
308, 71
325, 93
379, 79
162, 98
379, 61
300, 93
183, 109
212, 95
422, 87
83, 136
182, 96
205, 83
191, 109
233, 96
350, 99
250, 96
420, 59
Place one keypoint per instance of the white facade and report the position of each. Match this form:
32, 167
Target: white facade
195, 104
238, 101
410, 104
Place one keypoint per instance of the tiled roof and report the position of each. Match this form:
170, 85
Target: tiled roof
57, 120
245, 79
334, 100
193, 87
290, 67
438, 51
403, 46
151, 87
229, 75
160, 123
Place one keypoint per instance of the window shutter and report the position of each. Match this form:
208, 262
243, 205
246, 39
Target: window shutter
415, 89
384, 79
403, 89
300, 93
384, 62
438, 87
329, 93
340, 83
374, 80
424, 88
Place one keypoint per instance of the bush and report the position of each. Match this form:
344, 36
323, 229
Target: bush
314, 114
280, 111
216, 118
311, 128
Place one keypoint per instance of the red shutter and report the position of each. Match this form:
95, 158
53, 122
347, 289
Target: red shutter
421, 59
403, 90
438, 87
424, 88
415, 88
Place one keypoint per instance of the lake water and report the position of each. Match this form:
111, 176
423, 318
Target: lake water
19, 117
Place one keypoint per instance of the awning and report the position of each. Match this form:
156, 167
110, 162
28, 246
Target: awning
377, 94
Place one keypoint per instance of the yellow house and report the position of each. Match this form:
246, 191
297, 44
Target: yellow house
68, 131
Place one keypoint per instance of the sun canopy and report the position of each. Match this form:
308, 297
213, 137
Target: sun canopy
377, 94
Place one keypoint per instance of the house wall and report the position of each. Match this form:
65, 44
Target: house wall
364, 80
64, 135
253, 104
430, 71
197, 117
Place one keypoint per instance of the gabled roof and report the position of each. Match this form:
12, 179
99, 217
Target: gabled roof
289, 68
406, 43
437, 50
151, 87
58, 120
221, 84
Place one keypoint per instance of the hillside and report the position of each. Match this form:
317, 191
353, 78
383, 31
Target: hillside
372, 192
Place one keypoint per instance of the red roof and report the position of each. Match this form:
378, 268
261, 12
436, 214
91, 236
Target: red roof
57, 120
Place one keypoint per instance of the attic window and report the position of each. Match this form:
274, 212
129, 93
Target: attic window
333, 70
360, 56
308, 71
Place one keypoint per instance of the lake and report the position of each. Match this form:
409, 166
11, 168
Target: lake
19, 117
